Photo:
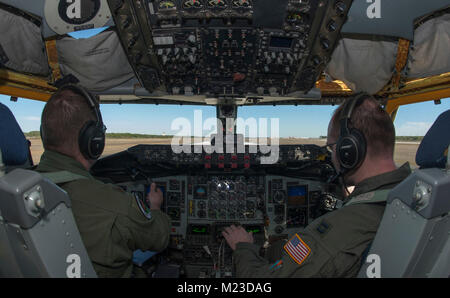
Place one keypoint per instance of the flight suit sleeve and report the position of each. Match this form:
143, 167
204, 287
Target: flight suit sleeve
316, 263
144, 233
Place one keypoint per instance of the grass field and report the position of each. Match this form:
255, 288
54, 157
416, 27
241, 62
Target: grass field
404, 151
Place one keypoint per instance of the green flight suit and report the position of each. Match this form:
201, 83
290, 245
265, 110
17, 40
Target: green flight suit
109, 220
333, 244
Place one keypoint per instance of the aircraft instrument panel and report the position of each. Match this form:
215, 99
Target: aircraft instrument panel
204, 193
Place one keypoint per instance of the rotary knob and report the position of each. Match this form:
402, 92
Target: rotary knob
279, 229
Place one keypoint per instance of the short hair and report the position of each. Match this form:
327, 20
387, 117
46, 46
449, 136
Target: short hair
63, 117
373, 122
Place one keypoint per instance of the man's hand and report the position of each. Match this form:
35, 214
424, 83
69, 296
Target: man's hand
234, 235
155, 197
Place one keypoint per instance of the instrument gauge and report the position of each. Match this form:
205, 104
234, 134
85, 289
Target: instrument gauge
192, 4
297, 18
217, 4
167, 4
242, 3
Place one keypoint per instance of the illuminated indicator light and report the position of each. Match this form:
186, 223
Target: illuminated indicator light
254, 230
199, 230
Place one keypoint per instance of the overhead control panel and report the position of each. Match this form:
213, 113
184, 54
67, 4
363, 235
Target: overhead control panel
229, 48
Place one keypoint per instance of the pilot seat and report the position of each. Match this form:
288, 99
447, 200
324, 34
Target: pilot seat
413, 239
38, 233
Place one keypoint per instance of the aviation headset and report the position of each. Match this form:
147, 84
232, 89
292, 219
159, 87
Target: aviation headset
91, 138
351, 145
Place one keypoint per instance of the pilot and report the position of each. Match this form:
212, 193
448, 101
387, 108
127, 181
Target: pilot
361, 137
112, 223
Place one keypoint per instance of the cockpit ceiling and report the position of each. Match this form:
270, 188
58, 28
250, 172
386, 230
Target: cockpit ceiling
299, 52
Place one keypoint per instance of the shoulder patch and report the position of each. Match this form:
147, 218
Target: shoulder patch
297, 249
143, 205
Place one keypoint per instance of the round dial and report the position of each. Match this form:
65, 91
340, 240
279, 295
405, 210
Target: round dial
201, 213
212, 214
223, 204
279, 197
188, 4
217, 3
201, 204
242, 3
222, 214
223, 196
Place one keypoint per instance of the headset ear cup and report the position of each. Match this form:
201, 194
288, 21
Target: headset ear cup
351, 150
346, 151
362, 145
91, 140
97, 144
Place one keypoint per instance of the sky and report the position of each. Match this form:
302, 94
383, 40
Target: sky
294, 121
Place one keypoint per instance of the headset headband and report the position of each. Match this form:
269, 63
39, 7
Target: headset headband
90, 98
347, 112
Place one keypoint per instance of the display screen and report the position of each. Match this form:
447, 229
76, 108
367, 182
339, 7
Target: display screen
280, 42
297, 195
199, 229
200, 192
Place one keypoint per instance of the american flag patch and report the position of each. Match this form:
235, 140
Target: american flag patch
297, 249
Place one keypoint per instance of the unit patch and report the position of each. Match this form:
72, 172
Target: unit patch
297, 249
143, 204
277, 265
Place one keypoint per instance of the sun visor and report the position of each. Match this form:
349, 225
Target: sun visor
23, 45
363, 65
430, 54
99, 62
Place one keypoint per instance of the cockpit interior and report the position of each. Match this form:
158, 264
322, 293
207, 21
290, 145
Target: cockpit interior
227, 54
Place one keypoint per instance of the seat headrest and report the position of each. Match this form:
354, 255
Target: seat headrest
13, 144
433, 149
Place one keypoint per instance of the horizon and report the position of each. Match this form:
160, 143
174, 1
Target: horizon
294, 121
